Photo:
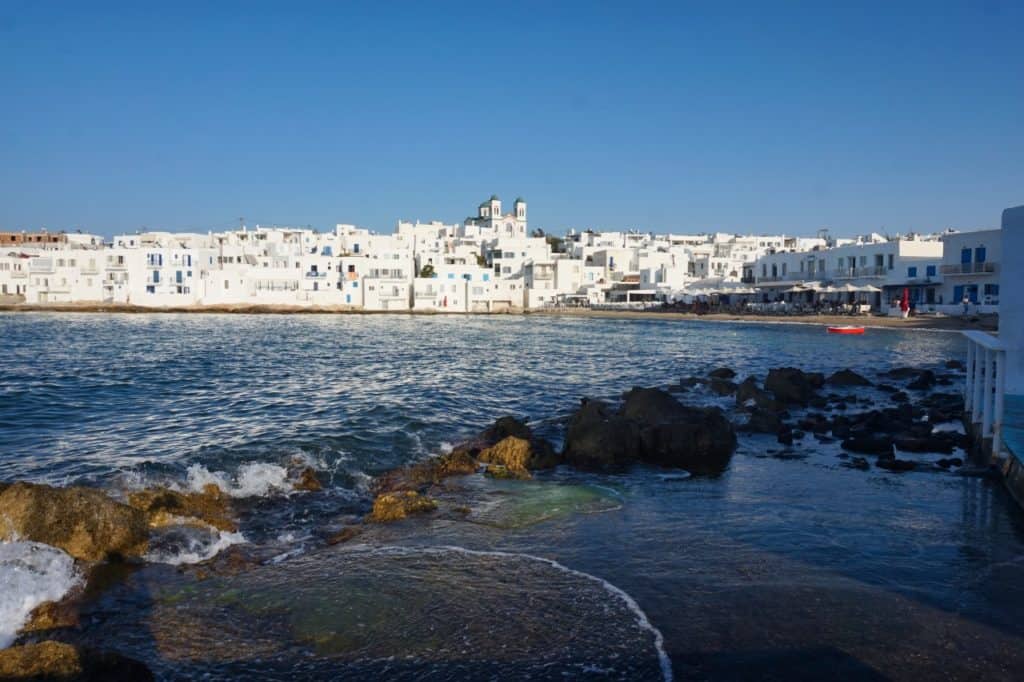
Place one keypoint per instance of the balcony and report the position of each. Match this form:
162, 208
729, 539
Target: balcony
970, 269
854, 273
313, 274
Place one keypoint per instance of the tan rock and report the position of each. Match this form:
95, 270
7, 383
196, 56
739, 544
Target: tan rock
308, 481
344, 535
52, 615
165, 507
85, 523
49, 660
400, 504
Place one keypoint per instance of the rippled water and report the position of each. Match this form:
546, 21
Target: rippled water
787, 562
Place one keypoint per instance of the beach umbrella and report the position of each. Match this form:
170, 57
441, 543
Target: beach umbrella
870, 289
905, 300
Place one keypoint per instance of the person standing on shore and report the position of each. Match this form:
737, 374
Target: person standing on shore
966, 301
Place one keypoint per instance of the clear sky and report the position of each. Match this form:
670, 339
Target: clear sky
749, 117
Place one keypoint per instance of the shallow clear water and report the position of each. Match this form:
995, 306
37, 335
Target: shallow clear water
788, 562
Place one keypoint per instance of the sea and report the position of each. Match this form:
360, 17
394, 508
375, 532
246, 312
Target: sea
789, 565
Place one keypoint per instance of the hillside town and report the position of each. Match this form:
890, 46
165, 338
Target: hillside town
492, 262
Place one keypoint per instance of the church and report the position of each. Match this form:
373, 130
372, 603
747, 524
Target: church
490, 221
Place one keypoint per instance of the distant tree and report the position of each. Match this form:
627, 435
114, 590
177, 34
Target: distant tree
481, 261
557, 244
427, 270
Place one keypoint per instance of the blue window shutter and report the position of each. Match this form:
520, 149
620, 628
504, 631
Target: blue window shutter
979, 254
965, 255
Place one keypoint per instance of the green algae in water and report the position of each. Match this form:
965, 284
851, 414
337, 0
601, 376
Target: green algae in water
517, 504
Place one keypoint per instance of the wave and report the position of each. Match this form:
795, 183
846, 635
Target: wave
641, 618
31, 573
177, 545
254, 479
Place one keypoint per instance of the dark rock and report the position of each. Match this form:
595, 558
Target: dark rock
924, 381
722, 373
824, 439
942, 442
893, 464
763, 421
700, 440
857, 463
597, 437
791, 385
690, 382
902, 373
847, 377
887, 388
900, 397
785, 437
722, 387
798, 435
947, 462
954, 364
868, 444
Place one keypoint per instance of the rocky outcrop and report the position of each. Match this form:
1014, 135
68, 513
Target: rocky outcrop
85, 523
651, 426
307, 481
763, 421
398, 505
166, 507
59, 661
924, 381
722, 387
793, 386
597, 437
518, 456
847, 377
748, 392
722, 373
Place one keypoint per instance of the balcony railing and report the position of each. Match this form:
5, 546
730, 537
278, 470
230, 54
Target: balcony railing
970, 268
985, 386
853, 273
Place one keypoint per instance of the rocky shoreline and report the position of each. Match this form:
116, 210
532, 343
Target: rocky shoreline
647, 426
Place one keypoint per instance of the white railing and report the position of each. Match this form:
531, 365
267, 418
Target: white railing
985, 385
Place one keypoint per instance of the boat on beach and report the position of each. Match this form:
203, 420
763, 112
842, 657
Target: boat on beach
847, 329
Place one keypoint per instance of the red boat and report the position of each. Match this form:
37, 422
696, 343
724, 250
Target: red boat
845, 330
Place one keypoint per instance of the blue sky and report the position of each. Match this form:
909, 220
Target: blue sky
750, 117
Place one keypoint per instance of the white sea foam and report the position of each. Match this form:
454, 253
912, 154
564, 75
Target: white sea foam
30, 573
254, 479
193, 547
641, 618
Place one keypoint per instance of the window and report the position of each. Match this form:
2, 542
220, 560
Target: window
912, 271
965, 255
150, 289
979, 254
930, 271
487, 277
991, 289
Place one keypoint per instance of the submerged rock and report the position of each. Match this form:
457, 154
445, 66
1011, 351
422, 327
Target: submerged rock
722, 373
924, 381
847, 377
51, 660
308, 481
398, 505
763, 421
869, 444
85, 523
165, 507
722, 387
791, 385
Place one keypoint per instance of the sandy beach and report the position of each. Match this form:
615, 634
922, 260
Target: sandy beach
944, 323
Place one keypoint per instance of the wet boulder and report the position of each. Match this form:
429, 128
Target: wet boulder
307, 481
519, 455
84, 522
749, 392
763, 421
847, 377
924, 381
51, 660
597, 437
893, 464
869, 444
400, 504
944, 442
722, 387
954, 365
166, 507
792, 385
857, 463
700, 440
651, 426
722, 373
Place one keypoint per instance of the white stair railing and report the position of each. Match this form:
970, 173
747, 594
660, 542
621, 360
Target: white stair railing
985, 386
